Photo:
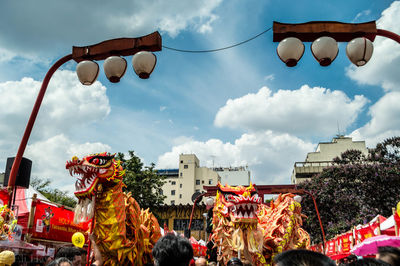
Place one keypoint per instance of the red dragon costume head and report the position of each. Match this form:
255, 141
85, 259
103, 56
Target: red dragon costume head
244, 227
94, 172
125, 233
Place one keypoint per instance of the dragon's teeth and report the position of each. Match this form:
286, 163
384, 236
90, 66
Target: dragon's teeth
102, 171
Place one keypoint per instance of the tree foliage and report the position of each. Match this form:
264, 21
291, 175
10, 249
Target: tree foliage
143, 182
54, 195
354, 190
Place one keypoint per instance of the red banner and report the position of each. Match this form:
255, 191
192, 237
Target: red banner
56, 223
330, 248
366, 231
346, 242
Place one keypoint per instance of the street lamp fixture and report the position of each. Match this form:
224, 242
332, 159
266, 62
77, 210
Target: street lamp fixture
143, 63
88, 71
325, 49
114, 68
290, 50
324, 36
359, 51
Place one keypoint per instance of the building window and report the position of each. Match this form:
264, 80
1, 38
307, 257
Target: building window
197, 190
173, 183
181, 161
180, 185
181, 174
202, 181
210, 181
172, 192
180, 196
161, 192
172, 202
185, 166
197, 181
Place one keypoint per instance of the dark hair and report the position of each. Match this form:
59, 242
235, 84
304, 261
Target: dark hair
58, 261
172, 250
298, 257
389, 254
368, 262
235, 261
68, 252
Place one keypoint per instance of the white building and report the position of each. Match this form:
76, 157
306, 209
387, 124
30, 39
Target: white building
322, 157
182, 183
190, 178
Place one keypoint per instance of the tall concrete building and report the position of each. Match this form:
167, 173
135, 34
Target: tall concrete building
322, 157
182, 183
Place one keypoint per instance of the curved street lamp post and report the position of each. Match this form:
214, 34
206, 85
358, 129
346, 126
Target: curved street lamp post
87, 70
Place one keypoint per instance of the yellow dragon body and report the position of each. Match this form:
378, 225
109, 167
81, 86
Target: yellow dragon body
125, 233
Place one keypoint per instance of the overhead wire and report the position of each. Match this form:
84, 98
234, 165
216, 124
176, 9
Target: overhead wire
218, 49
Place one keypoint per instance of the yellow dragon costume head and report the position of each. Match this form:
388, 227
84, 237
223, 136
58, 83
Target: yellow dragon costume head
125, 233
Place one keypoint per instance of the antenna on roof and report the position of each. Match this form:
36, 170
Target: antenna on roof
338, 129
213, 157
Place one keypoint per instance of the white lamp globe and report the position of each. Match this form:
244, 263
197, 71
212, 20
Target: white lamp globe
359, 51
87, 72
114, 68
290, 50
325, 49
143, 64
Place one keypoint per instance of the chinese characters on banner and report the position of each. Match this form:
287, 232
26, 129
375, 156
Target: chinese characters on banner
56, 223
366, 231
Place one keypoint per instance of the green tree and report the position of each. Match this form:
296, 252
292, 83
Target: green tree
143, 182
54, 195
354, 190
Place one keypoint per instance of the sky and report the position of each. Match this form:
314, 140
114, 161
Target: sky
236, 107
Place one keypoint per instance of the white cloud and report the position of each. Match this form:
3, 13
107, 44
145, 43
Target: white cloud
383, 68
162, 108
385, 120
269, 77
270, 156
49, 157
306, 111
361, 14
67, 106
48, 26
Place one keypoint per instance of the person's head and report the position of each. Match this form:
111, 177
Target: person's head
62, 261
7, 257
172, 250
234, 262
200, 262
389, 254
71, 253
212, 263
368, 262
350, 258
302, 257
246, 263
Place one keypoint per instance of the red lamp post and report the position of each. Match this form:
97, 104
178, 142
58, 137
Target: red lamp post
143, 64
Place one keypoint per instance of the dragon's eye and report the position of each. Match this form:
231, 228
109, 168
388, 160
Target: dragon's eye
98, 160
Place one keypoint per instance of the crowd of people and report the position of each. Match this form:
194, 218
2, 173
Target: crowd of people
176, 250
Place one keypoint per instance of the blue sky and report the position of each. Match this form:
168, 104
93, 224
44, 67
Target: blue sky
240, 106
